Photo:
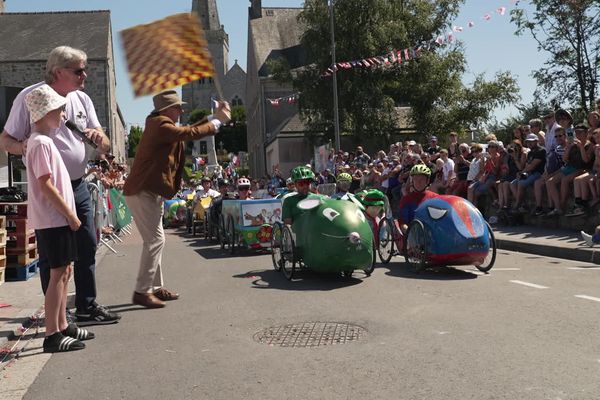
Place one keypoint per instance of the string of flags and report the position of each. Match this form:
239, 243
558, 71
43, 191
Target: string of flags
395, 56
405, 55
290, 99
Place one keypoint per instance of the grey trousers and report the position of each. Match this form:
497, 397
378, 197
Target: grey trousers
147, 211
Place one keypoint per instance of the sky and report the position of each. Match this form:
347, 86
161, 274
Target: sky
490, 46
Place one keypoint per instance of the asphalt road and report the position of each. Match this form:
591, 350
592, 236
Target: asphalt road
518, 333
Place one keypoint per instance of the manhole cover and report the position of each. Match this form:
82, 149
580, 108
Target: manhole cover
311, 334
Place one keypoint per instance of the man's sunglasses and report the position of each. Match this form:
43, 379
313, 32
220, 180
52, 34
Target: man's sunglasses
78, 71
243, 189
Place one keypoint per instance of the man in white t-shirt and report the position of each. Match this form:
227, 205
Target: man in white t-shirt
66, 74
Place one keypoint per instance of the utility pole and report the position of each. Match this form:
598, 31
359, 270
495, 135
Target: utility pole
336, 116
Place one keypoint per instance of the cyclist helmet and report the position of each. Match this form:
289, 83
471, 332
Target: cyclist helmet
243, 182
344, 177
222, 182
302, 173
373, 197
420, 169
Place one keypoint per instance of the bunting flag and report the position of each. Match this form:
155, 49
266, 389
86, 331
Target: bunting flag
166, 53
404, 55
291, 99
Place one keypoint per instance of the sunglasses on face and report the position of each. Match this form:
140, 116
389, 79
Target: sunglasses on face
559, 135
78, 71
244, 189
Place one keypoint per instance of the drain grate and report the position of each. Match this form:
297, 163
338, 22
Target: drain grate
311, 334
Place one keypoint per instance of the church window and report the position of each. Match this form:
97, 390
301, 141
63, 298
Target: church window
269, 13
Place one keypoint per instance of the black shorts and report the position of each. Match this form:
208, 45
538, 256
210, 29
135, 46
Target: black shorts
59, 245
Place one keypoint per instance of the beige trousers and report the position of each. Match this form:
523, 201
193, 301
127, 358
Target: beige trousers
147, 211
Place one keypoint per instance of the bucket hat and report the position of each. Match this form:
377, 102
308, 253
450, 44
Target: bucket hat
41, 100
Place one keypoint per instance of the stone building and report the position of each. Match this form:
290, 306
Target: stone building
26, 39
198, 94
275, 134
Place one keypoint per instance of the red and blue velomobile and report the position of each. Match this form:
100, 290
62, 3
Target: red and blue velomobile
449, 230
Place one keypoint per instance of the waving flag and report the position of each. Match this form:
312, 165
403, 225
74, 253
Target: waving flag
166, 53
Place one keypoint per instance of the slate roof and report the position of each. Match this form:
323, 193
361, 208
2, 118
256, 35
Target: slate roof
277, 34
31, 36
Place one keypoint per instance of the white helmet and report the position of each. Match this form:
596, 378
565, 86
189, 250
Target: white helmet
243, 182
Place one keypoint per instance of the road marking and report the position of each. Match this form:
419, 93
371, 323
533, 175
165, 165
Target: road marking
584, 268
583, 296
533, 285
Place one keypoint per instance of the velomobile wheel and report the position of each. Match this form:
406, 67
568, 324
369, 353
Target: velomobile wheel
490, 259
287, 253
371, 267
222, 232
231, 234
386, 241
276, 250
416, 245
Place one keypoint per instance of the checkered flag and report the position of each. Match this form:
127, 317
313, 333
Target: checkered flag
166, 53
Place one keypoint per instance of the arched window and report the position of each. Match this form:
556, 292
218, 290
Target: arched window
236, 101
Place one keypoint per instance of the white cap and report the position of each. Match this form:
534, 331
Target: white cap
532, 137
412, 143
41, 100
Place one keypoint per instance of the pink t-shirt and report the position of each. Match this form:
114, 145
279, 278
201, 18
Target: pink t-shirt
43, 158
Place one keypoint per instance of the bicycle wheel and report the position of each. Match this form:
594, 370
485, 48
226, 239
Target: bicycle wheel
276, 253
386, 241
416, 246
490, 259
287, 252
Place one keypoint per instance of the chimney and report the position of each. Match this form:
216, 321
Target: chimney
255, 9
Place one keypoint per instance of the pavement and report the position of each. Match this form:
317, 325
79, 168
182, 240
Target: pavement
24, 299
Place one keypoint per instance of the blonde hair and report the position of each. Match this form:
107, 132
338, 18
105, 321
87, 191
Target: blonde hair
62, 57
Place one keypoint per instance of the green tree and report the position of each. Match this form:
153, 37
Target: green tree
135, 135
431, 86
233, 134
568, 31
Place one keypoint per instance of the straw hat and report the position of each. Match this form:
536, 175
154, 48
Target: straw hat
166, 99
41, 100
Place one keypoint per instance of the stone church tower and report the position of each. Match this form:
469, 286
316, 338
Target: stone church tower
198, 93
233, 81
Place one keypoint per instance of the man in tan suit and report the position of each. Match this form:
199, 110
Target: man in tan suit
156, 174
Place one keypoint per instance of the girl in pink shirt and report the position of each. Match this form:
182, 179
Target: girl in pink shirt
51, 212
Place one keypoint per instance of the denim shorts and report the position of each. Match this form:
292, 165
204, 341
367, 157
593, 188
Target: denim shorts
531, 178
481, 188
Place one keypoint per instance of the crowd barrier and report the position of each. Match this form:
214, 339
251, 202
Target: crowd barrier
112, 217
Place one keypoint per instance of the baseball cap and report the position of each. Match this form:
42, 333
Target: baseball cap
412, 143
41, 100
532, 137
433, 138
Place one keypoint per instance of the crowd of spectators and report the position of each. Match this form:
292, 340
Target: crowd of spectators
552, 157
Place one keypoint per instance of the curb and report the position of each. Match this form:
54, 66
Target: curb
586, 254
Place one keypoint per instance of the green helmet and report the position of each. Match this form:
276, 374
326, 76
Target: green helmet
344, 177
420, 169
373, 197
301, 173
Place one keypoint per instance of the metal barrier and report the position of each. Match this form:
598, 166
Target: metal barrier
104, 217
